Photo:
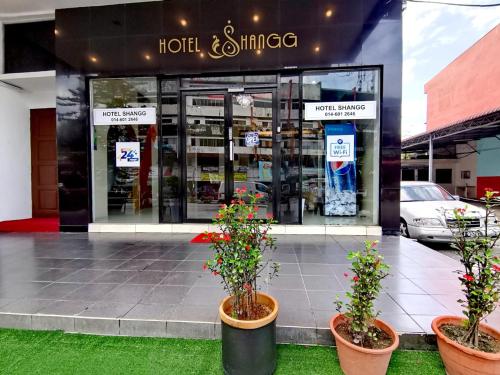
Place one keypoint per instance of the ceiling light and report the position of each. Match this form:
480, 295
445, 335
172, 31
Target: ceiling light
256, 18
328, 13
93, 59
183, 22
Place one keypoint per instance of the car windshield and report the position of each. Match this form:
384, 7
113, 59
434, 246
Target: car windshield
424, 193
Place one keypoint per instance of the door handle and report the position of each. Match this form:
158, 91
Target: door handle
231, 150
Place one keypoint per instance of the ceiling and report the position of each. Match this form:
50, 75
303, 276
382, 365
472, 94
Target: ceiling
18, 8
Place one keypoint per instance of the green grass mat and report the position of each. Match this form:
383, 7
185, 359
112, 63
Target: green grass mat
33, 352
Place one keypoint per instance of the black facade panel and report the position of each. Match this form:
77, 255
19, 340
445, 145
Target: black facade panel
113, 41
29, 47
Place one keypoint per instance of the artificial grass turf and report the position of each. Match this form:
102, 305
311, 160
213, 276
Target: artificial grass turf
35, 352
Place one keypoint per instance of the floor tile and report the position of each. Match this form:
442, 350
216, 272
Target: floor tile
57, 290
107, 309
90, 292
128, 293
66, 307
166, 294
115, 277
182, 278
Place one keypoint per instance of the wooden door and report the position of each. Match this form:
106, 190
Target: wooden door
44, 163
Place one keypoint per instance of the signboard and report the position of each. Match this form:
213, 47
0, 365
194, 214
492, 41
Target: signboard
124, 116
340, 147
128, 154
251, 139
361, 110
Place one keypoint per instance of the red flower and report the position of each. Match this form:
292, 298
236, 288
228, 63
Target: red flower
468, 277
215, 273
219, 261
250, 216
346, 274
233, 201
259, 195
238, 191
248, 287
373, 244
355, 279
496, 268
247, 247
256, 208
205, 266
243, 189
488, 189
264, 238
223, 206
269, 216
219, 216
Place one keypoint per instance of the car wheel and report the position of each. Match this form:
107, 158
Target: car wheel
403, 228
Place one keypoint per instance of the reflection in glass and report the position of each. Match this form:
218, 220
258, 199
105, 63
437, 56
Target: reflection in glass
289, 149
171, 169
124, 193
204, 155
253, 147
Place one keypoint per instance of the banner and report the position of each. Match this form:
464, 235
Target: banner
340, 170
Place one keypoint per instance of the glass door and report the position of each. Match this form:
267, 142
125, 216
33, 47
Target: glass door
204, 124
229, 145
251, 146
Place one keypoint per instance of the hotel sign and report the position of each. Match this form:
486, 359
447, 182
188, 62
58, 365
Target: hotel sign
361, 110
124, 116
229, 45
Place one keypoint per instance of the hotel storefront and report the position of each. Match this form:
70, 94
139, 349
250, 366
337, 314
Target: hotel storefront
165, 108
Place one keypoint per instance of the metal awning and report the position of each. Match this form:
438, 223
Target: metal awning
481, 126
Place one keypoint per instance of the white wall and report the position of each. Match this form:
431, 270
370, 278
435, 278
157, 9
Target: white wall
15, 156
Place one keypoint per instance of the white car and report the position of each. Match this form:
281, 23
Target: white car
427, 208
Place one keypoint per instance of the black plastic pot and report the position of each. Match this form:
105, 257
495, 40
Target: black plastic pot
249, 351
249, 347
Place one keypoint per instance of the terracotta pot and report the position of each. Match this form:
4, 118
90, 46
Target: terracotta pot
355, 360
249, 346
461, 360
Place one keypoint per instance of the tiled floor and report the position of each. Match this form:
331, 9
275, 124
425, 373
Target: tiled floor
159, 277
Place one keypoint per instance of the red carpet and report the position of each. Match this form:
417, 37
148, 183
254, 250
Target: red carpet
200, 238
45, 224
203, 238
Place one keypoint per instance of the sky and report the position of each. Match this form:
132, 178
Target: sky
433, 36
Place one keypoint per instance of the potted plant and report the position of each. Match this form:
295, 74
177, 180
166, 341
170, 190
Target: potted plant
466, 345
248, 317
364, 343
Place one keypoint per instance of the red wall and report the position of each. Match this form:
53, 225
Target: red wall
492, 182
468, 86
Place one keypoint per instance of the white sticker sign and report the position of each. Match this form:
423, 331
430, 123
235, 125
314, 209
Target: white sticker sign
340, 148
341, 110
128, 154
124, 116
251, 139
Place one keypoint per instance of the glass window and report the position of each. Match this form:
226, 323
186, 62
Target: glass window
124, 156
290, 150
170, 155
341, 191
